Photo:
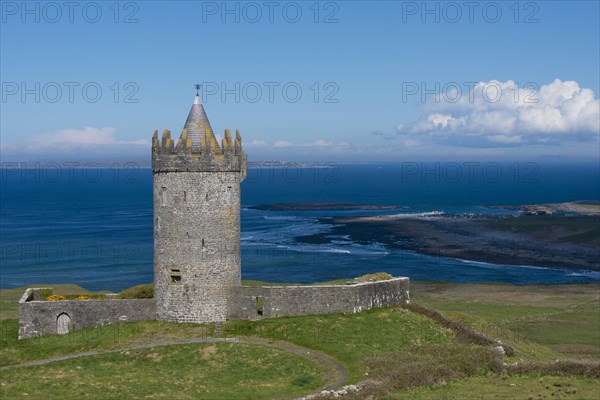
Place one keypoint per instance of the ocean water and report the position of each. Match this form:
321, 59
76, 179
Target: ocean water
93, 227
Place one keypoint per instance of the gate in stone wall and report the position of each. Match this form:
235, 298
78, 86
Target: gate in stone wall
63, 324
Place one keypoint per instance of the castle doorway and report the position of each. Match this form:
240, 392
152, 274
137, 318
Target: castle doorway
260, 302
63, 324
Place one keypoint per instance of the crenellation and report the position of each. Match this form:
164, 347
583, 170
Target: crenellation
227, 144
167, 144
238, 142
184, 144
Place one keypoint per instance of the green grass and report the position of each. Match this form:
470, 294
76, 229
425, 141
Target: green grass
592, 206
201, 371
505, 387
145, 291
349, 338
13, 351
431, 364
542, 322
393, 345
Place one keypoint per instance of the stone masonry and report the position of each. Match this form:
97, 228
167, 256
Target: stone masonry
286, 301
38, 317
196, 221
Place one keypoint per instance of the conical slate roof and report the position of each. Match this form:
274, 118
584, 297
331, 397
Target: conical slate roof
197, 125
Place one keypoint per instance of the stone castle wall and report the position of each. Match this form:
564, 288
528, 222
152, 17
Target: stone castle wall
196, 244
283, 301
37, 318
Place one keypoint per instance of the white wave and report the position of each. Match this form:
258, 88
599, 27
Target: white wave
592, 274
280, 218
493, 265
340, 251
426, 214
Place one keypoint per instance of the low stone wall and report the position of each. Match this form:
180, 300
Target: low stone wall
38, 318
249, 302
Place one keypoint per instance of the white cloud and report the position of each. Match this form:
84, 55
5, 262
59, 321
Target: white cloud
256, 143
505, 138
319, 143
282, 143
505, 114
322, 143
411, 143
73, 139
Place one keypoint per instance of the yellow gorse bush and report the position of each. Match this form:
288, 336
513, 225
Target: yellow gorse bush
56, 297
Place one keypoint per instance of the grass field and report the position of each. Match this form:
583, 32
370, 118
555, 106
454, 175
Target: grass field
349, 338
508, 387
212, 370
543, 322
413, 356
594, 206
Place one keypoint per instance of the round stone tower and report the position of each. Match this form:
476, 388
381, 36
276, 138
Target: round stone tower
196, 220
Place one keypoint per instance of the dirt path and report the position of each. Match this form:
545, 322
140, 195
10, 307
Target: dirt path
334, 373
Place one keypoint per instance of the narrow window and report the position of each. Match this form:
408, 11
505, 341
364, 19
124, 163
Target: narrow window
157, 224
163, 196
175, 275
185, 196
202, 243
260, 302
206, 196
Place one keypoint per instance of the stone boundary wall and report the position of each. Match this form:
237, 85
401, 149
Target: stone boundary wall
282, 301
38, 318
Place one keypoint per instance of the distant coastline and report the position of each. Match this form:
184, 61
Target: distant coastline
320, 206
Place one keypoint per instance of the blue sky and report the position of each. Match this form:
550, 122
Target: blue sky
379, 81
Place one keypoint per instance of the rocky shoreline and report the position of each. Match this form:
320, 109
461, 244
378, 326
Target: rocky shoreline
590, 207
543, 241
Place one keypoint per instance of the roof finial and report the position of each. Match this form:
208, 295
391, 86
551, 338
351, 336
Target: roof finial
197, 86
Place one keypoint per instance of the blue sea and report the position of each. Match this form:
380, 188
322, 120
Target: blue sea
92, 226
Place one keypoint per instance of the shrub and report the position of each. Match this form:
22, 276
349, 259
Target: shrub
558, 367
463, 333
55, 297
377, 276
422, 365
431, 364
45, 292
82, 297
138, 292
